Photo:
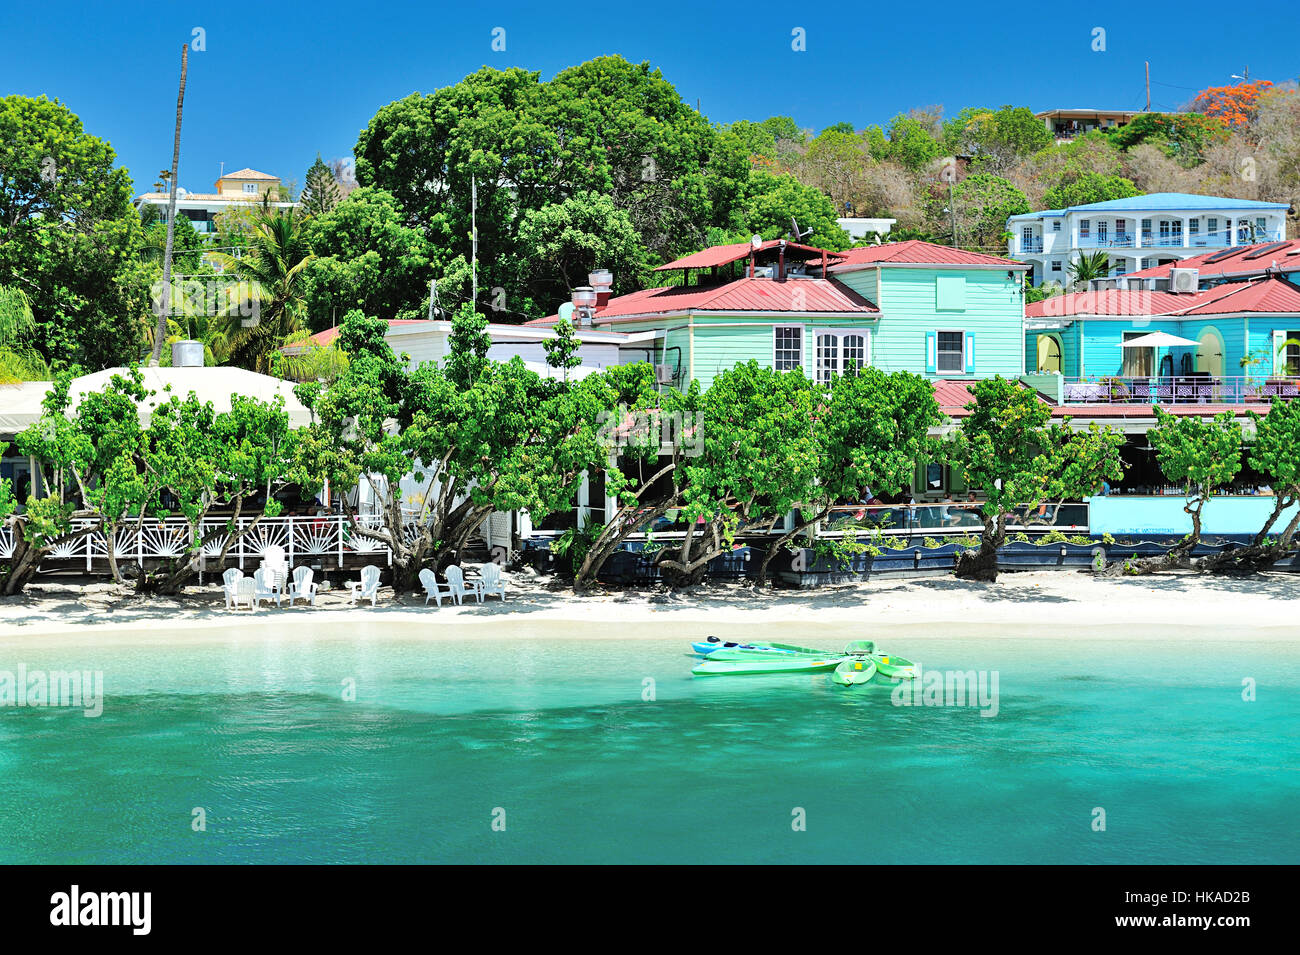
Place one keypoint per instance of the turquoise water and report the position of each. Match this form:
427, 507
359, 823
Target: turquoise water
557, 734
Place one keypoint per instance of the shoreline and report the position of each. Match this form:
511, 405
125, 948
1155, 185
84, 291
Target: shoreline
1051, 603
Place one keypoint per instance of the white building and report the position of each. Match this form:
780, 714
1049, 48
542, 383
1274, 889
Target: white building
859, 228
1140, 232
236, 189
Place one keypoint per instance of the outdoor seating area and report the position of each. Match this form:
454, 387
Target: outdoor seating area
1190, 388
273, 581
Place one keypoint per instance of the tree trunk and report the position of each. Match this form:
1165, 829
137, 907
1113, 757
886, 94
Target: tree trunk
983, 563
775, 547
160, 332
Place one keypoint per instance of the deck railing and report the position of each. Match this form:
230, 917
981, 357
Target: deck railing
939, 518
1177, 389
326, 540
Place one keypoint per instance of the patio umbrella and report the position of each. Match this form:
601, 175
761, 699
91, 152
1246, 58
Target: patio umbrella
1157, 340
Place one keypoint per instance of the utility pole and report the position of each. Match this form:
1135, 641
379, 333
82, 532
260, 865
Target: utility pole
160, 331
952, 215
1148, 109
473, 230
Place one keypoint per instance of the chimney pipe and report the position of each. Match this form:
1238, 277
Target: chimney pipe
780, 262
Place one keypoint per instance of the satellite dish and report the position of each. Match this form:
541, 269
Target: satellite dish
756, 241
795, 234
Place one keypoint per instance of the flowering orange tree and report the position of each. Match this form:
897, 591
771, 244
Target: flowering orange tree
1233, 104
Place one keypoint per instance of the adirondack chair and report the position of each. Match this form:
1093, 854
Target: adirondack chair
302, 588
490, 582
429, 580
264, 587
245, 593
230, 585
368, 587
456, 585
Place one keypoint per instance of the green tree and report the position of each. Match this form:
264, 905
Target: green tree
1202, 457
563, 242
273, 266
1007, 449
770, 202
367, 258
562, 351
984, 203
321, 193
760, 452
996, 139
869, 437
1089, 187
68, 236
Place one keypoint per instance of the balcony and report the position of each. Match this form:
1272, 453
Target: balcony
1031, 245
1178, 389
1221, 238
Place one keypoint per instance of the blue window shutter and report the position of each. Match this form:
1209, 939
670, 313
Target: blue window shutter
931, 358
970, 353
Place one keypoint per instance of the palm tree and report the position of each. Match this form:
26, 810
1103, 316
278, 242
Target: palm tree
272, 265
160, 331
1094, 265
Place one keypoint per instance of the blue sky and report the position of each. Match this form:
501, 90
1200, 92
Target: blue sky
280, 82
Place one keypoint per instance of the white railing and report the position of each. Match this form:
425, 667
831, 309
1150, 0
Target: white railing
1177, 389
322, 539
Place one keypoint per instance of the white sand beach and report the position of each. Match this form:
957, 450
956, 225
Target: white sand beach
1051, 604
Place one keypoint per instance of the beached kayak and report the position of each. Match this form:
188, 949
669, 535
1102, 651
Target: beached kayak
855, 671
735, 651
791, 663
893, 669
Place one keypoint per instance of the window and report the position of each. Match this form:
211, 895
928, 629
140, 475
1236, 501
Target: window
839, 353
1120, 226
952, 353
1146, 230
250, 188
1085, 228
1211, 224
1056, 265
1292, 364
828, 357
789, 348
1193, 226
1056, 225
1102, 229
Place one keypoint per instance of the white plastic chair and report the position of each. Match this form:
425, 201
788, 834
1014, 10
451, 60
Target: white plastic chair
302, 588
431, 590
230, 586
368, 587
273, 555
456, 585
264, 587
490, 582
245, 593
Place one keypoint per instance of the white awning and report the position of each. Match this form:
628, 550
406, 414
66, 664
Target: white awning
20, 404
1158, 340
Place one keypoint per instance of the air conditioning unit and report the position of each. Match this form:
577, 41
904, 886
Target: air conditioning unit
664, 374
1104, 284
765, 271
1183, 280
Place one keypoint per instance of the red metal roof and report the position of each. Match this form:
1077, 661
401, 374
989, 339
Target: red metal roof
1286, 256
741, 295
724, 254
1266, 295
330, 334
916, 252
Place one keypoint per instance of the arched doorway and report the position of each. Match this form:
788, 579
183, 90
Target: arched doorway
1049, 354
1209, 352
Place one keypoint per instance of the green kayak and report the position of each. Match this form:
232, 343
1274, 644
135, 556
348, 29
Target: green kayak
789, 663
854, 671
860, 646
764, 653
893, 669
